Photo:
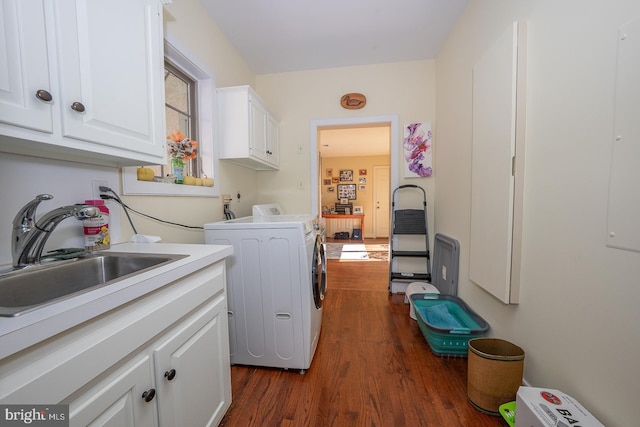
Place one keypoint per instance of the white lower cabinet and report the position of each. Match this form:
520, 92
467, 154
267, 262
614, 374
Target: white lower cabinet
117, 401
184, 375
162, 360
192, 373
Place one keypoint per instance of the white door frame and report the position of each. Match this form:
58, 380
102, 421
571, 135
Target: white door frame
391, 120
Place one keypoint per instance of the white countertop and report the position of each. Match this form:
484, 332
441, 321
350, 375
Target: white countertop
20, 332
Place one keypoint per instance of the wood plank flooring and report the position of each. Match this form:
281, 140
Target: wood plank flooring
372, 367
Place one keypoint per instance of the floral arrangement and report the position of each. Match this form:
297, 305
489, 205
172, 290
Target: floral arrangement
180, 147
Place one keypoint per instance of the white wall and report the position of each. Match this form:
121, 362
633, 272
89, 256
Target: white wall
25, 177
578, 317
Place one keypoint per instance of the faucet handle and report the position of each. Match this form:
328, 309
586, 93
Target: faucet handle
85, 211
25, 218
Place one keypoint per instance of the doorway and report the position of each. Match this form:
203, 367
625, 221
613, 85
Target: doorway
380, 195
314, 162
354, 164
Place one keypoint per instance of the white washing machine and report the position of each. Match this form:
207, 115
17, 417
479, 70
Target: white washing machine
267, 209
275, 209
276, 284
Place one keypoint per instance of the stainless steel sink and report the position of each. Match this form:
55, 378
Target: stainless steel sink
32, 287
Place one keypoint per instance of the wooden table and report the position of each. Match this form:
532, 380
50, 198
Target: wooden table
350, 216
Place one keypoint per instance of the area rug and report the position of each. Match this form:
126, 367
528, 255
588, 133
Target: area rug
357, 251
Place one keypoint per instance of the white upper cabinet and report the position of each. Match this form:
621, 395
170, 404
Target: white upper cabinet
24, 66
248, 130
257, 143
83, 80
273, 135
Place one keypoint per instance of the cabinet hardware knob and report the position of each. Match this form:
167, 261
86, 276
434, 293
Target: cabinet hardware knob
169, 375
43, 95
77, 106
149, 395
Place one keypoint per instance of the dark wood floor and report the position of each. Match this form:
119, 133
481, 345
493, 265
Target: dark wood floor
372, 368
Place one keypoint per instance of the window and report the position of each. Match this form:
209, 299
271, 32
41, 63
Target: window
189, 106
181, 113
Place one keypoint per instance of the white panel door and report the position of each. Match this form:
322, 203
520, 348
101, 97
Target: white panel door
111, 68
24, 66
492, 194
381, 198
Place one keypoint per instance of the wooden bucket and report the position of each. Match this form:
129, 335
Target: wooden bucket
494, 374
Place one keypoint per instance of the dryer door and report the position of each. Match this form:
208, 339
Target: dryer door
319, 272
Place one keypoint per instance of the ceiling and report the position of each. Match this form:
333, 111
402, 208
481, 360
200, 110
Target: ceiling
354, 141
294, 35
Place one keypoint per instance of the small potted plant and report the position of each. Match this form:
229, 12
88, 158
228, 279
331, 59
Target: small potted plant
181, 149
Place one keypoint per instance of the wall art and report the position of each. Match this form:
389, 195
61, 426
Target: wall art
346, 175
417, 150
347, 191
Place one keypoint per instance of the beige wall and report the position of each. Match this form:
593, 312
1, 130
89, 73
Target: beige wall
578, 317
70, 182
406, 89
189, 23
363, 198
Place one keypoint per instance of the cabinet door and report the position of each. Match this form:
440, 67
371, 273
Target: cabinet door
193, 370
117, 401
111, 67
24, 65
258, 129
497, 173
273, 149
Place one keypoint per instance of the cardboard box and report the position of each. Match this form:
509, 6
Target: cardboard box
544, 407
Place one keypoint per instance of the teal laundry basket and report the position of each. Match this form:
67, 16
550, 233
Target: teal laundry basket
447, 323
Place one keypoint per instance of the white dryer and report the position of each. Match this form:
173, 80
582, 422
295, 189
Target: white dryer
276, 285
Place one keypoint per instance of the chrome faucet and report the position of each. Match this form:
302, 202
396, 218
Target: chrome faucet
29, 236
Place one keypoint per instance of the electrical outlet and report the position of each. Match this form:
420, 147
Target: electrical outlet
95, 186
